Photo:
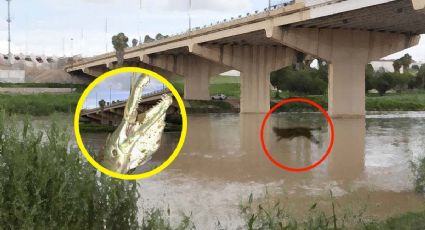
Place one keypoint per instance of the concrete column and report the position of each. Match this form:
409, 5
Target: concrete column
196, 72
196, 81
255, 62
346, 89
348, 52
255, 80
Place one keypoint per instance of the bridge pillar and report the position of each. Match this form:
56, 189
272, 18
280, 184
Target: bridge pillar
255, 62
196, 80
347, 53
196, 72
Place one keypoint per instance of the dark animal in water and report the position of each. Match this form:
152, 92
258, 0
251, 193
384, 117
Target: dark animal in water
291, 133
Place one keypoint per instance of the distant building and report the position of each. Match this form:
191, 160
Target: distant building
383, 65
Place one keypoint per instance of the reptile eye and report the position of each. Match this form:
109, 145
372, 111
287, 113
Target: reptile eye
114, 153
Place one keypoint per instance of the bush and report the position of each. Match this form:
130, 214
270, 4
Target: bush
46, 185
419, 175
305, 81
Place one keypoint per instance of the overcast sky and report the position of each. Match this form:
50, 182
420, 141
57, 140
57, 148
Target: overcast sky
117, 88
54, 27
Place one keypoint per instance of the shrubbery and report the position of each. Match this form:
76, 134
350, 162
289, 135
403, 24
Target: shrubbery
305, 81
40, 104
44, 184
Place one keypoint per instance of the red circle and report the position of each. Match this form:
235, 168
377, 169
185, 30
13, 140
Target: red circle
323, 111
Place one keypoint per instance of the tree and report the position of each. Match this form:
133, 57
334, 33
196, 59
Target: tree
159, 36
369, 77
382, 85
134, 42
421, 75
415, 67
102, 104
397, 66
148, 39
406, 60
120, 42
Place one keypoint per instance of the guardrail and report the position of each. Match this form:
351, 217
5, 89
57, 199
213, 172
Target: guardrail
188, 32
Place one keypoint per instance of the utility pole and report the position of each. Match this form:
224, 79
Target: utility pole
63, 47
270, 5
72, 47
9, 20
190, 17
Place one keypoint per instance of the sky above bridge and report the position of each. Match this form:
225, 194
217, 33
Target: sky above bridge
117, 88
71, 27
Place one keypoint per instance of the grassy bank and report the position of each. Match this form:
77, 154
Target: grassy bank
230, 86
39, 104
218, 84
79, 87
389, 102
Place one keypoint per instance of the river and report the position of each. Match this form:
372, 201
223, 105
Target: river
222, 163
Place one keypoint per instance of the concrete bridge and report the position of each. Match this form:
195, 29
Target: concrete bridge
113, 114
348, 34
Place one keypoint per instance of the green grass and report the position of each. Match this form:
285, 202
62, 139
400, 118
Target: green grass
218, 84
45, 185
390, 102
407, 221
406, 101
224, 80
39, 104
96, 128
79, 87
229, 89
394, 102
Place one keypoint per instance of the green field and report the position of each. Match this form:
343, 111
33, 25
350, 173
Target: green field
219, 84
79, 87
406, 101
39, 104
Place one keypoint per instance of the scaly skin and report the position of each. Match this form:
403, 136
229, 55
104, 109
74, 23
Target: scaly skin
134, 142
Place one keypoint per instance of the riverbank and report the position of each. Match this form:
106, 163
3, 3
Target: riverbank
230, 86
40, 104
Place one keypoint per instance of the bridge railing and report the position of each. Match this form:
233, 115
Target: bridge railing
275, 6
147, 95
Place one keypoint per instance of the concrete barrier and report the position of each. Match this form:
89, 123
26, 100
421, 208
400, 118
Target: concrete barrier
12, 76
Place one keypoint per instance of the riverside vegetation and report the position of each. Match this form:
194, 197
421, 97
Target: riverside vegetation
45, 184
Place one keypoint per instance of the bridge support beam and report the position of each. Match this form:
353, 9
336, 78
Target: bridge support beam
196, 72
196, 80
255, 62
419, 5
95, 71
347, 52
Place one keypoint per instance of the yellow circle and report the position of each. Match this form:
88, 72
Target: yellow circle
126, 176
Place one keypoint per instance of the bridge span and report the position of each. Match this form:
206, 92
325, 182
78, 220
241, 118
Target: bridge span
348, 34
112, 114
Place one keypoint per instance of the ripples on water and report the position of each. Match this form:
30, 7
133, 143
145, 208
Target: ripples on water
222, 162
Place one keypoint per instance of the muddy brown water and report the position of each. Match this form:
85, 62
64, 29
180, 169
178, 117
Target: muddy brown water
222, 163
